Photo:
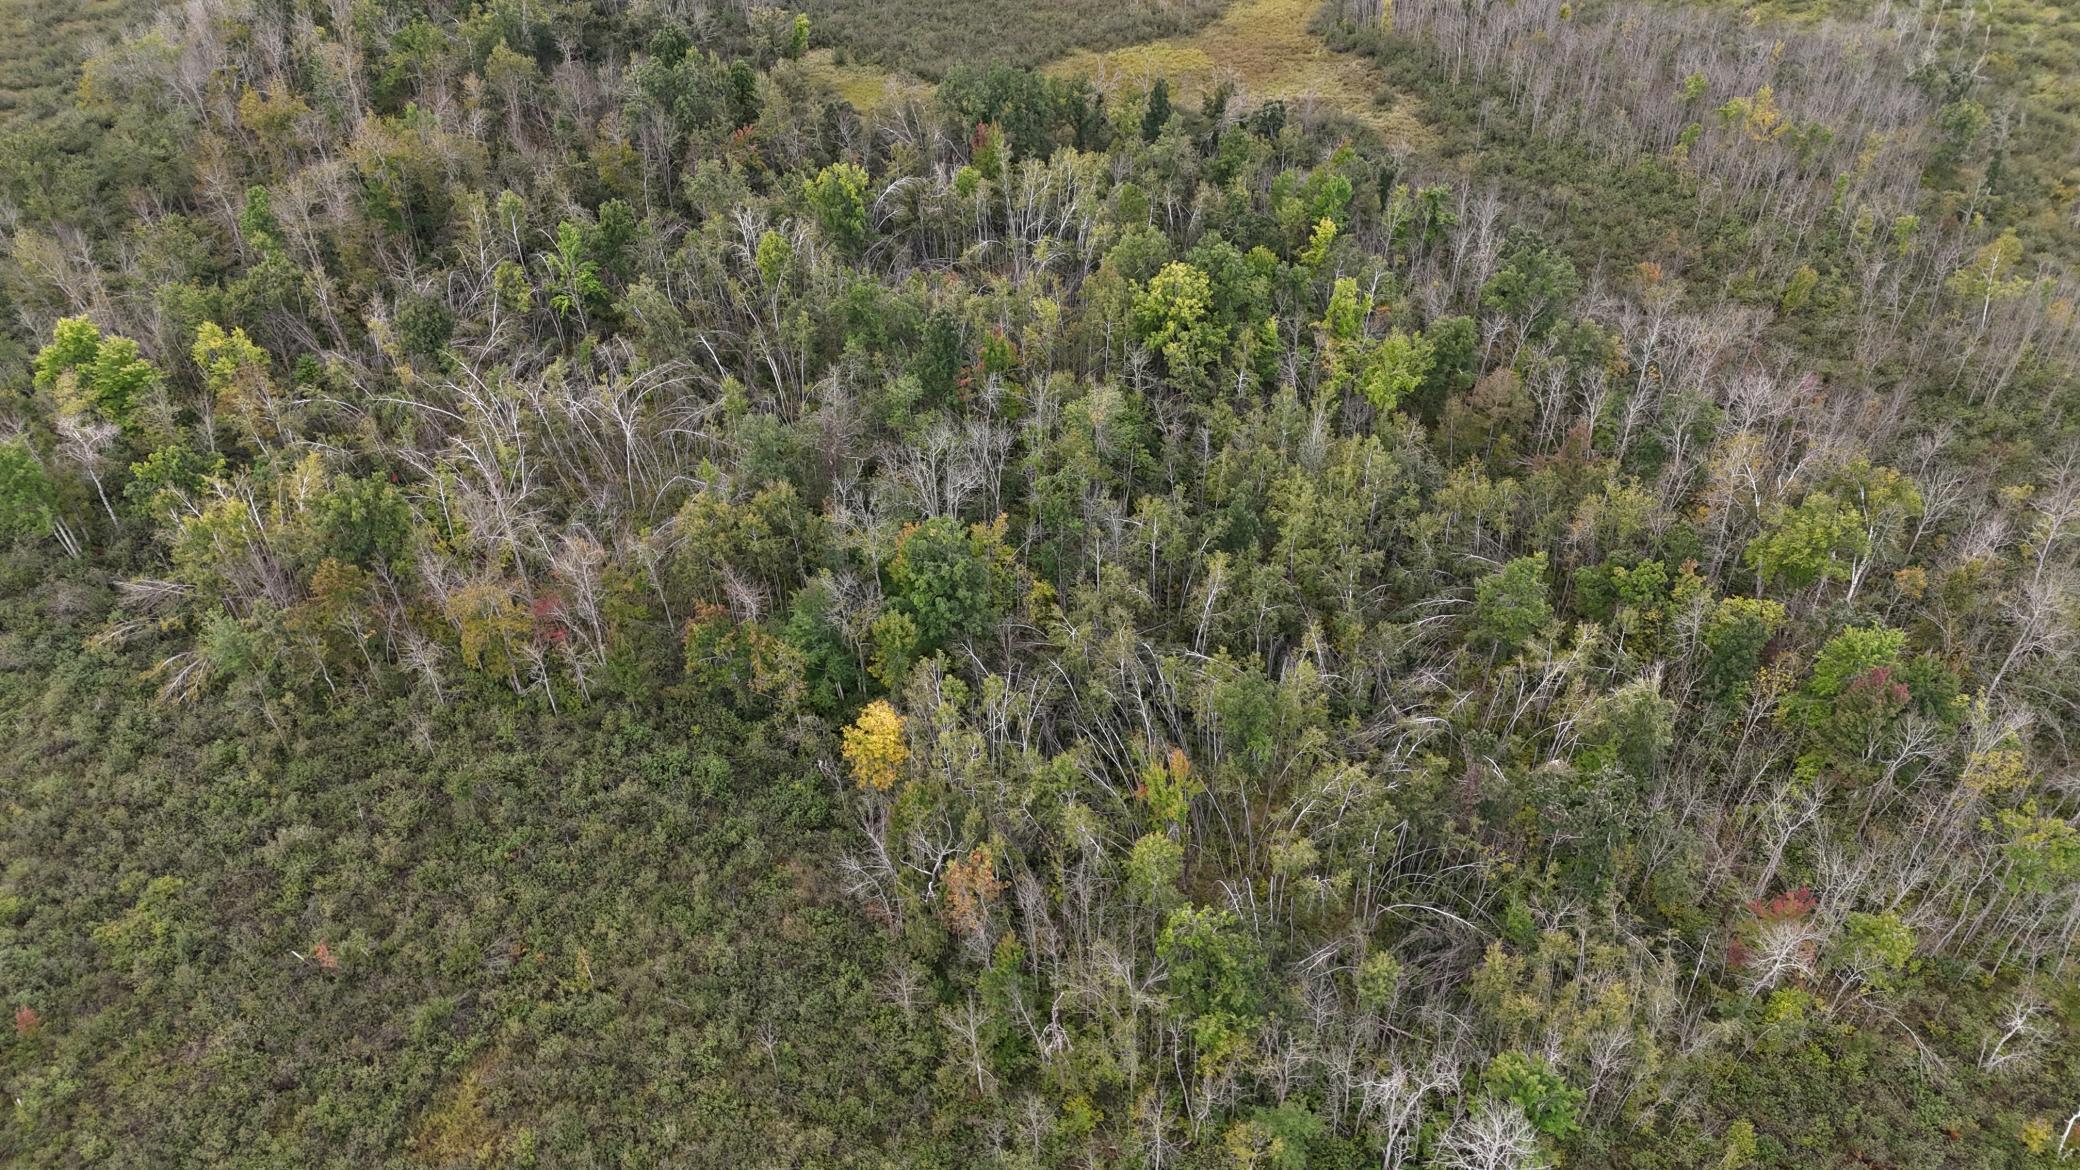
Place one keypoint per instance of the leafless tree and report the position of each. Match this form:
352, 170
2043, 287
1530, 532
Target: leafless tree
1495, 1136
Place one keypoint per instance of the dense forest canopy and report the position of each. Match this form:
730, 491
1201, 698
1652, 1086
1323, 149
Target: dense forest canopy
678, 584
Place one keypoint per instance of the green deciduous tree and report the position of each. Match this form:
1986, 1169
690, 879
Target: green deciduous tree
235, 374
1818, 540
1876, 948
87, 371
837, 196
1215, 982
1553, 1107
1392, 368
1630, 728
952, 583
27, 503
1734, 638
1173, 316
2042, 851
1533, 288
1510, 605
364, 522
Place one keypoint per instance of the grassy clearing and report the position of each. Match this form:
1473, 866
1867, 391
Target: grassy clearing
1266, 48
867, 87
42, 43
928, 37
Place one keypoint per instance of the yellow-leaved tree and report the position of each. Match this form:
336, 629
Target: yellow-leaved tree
874, 746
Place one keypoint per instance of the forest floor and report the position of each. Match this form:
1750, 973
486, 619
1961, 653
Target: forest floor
1267, 49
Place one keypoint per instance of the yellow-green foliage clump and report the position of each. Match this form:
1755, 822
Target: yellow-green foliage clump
874, 747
